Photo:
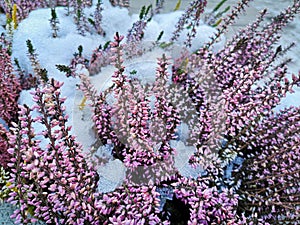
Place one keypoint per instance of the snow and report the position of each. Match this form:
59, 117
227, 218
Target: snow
52, 51
111, 175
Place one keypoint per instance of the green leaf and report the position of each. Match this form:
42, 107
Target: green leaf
44, 75
64, 69
160, 36
105, 46
148, 9
178, 4
53, 14
80, 49
17, 63
219, 5
217, 23
142, 12
30, 47
165, 45
91, 21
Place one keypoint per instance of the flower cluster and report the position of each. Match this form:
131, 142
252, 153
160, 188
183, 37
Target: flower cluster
4, 156
100, 58
53, 183
207, 204
268, 186
23, 7
98, 19
190, 18
126, 123
128, 204
9, 87
136, 33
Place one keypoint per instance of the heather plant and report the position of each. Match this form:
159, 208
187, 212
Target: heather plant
27, 81
9, 87
97, 22
246, 154
39, 73
136, 33
100, 58
190, 18
80, 18
24, 7
54, 184
54, 22
268, 188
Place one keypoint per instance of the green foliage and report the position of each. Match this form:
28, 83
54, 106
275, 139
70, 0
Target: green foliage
17, 63
44, 75
160, 36
144, 13
133, 72
105, 46
53, 14
64, 69
165, 44
91, 21
30, 48
218, 6
80, 49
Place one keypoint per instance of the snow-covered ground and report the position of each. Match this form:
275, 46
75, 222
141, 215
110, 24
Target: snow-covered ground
52, 51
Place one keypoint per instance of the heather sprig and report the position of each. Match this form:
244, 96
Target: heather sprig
101, 57
98, 19
268, 181
159, 4
39, 72
80, 18
136, 33
120, 3
191, 19
207, 204
77, 61
9, 88
54, 22
55, 183
228, 21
